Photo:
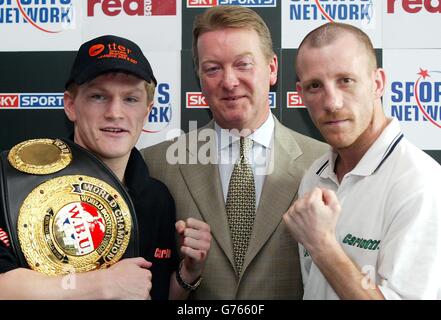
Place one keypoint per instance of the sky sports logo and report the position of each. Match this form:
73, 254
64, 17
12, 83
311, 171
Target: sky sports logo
244, 3
343, 10
50, 16
196, 100
112, 8
31, 101
294, 100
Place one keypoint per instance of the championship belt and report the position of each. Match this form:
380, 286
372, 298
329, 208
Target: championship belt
66, 211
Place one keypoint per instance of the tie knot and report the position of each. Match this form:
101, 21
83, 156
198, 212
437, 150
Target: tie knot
245, 146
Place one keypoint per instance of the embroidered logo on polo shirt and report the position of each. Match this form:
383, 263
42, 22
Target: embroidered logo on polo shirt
4, 237
162, 253
305, 253
368, 244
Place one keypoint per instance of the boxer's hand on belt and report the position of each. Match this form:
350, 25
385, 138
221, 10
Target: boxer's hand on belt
128, 279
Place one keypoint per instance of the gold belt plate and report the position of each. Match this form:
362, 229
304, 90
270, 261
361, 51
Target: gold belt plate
40, 156
73, 224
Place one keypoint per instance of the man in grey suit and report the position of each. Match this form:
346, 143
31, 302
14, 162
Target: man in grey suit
240, 172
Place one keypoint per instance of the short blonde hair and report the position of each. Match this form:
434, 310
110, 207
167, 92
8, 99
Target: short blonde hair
331, 31
222, 17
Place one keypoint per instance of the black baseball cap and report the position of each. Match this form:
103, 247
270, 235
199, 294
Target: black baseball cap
109, 54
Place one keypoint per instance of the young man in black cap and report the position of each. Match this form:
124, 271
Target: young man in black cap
108, 97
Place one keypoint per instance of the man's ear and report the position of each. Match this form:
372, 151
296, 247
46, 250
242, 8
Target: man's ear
273, 65
380, 82
69, 106
149, 108
299, 89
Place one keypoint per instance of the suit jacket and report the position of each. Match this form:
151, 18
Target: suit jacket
271, 268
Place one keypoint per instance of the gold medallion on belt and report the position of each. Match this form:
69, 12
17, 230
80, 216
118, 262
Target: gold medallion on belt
73, 224
40, 156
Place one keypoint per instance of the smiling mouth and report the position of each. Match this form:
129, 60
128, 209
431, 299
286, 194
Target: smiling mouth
113, 130
334, 122
233, 98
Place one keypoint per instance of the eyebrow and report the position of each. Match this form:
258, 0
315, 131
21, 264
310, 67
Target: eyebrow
134, 90
94, 86
338, 75
239, 56
309, 81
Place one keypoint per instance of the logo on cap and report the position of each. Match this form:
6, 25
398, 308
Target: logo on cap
96, 49
115, 51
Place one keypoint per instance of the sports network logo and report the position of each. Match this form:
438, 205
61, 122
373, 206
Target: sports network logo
50, 16
343, 10
161, 114
419, 100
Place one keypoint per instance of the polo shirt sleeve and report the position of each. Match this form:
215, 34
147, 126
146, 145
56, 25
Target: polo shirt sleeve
409, 260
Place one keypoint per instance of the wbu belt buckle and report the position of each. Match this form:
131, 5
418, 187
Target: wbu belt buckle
68, 221
73, 223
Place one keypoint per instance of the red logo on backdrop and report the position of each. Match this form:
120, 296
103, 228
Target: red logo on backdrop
196, 100
294, 100
4, 237
201, 3
163, 7
423, 74
9, 100
132, 7
415, 6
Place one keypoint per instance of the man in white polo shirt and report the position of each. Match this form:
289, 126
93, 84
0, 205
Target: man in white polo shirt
368, 217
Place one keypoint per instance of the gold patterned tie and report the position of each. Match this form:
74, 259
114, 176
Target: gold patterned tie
241, 203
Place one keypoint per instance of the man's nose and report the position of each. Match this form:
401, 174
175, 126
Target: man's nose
333, 99
114, 109
230, 79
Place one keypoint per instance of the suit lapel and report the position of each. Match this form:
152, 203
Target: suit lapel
279, 190
203, 182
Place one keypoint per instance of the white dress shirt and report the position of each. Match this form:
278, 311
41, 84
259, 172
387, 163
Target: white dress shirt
227, 144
